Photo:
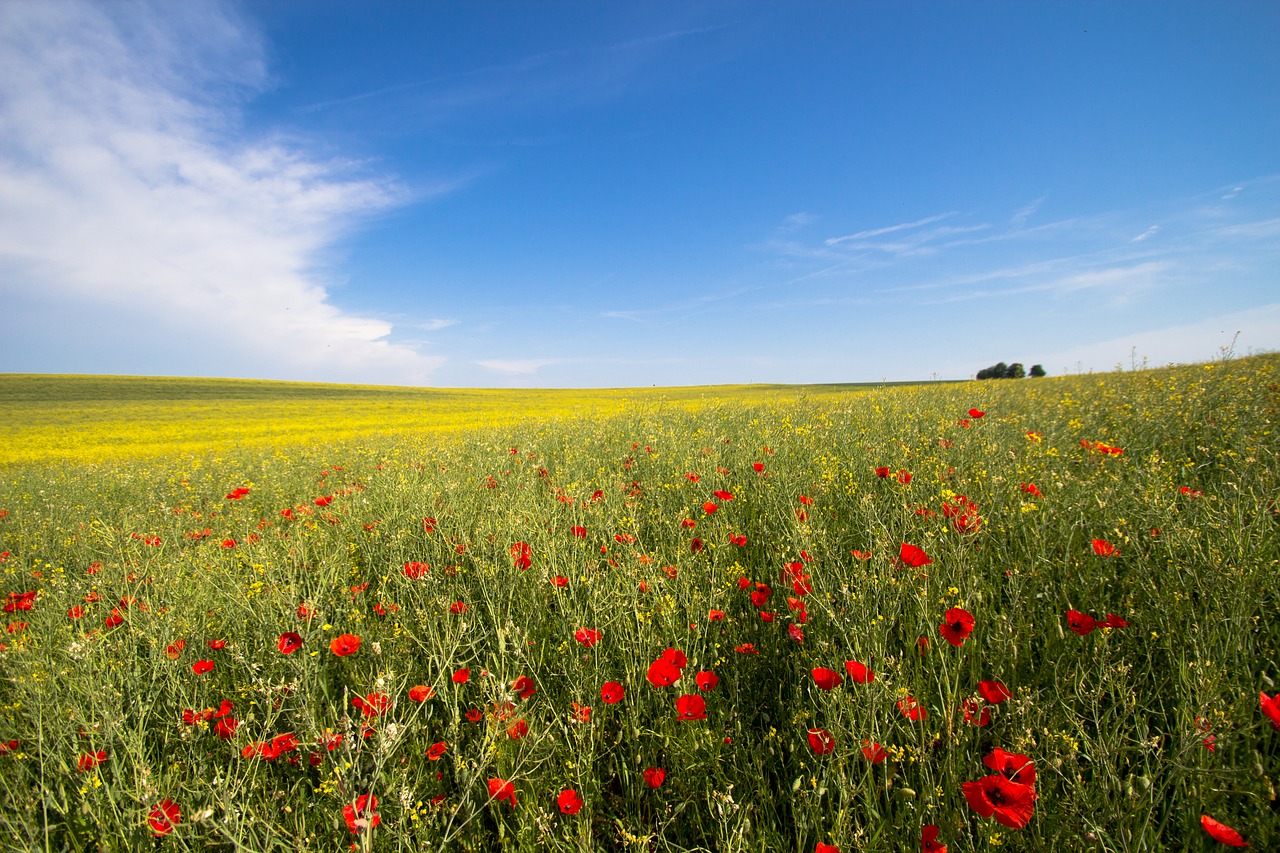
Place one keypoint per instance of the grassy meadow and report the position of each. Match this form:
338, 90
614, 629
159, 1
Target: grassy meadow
1006, 615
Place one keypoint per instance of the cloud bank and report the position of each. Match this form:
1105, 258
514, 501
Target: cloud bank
135, 218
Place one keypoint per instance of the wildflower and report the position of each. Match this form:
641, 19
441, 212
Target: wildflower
90, 760
1013, 766
1187, 491
821, 741
654, 776
738, 539
746, 649
706, 680
929, 840
611, 692
201, 667
461, 676
226, 727
569, 801
993, 691
1270, 708
362, 815
859, 673
716, 616
458, 608
437, 750
874, 752
975, 712
372, 705
524, 687
826, 679
1221, 832
421, 692
579, 531
164, 817
290, 642
911, 709
691, 707
826, 848
345, 644
501, 789
1081, 623
518, 730
995, 796
1103, 548
723, 495
521, 555
415, 569
587, 636
957, 627
662, 673
882, 472
913, 556
1113, 621
216, 645
560, 581
1030, 488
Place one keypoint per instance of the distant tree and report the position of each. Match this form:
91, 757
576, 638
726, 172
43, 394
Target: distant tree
1014, 371
1001, 370
1036, 371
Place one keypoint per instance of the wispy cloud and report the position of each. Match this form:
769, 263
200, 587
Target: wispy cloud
436, 325
890, 229
1149, 233
124, 185
1020, 216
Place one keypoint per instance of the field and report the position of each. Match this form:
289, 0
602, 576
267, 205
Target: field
1017, 615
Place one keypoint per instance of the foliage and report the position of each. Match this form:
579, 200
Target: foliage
477, 627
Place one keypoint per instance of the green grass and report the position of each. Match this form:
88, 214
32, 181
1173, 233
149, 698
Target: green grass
1117, 722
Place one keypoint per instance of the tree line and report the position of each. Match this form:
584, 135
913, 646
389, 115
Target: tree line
1009, 371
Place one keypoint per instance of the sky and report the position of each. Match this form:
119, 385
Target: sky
623, 194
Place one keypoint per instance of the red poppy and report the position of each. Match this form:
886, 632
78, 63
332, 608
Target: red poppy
569, 801
325, 501
904, 478
1113, 621
461, 676
579, 531
874, 752
882, 472
1013, 766
437, 750
993, 691
913, 556
723, 495
475, 715
995, 796
976, 413
306, 611
1103, 548
821, 741
345, 644
826, 679
522, 555
90, 760
911, 709
216, 644
707, 680
957, 627
518, 730
1190, 492
716, 616
560, 581
746, 649
858, 672
524, 687
226, 727
695, 545
611, 692
691, 707
201, 667
1082, 623
373, 705
1270, 708
587, 636
738, 539
975, 712
362, 815
1030, 488
692, 478
1221, 832
164, 817
654, 776
794, 632
662, 673
421, 692
826, 848
290, 642
929, 840
414, 569
75, 612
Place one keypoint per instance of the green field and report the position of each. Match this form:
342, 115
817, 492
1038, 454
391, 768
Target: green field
270, 616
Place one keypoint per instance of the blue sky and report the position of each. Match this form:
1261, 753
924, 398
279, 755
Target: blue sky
573, 194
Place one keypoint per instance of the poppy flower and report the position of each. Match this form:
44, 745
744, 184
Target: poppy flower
174, 650
569, 801
821, 741
461, 676
929, 840
654, 776
1030, 488
874, 752
710, 507
1013, 766
662, 673
373, 705
695, 545
587, 636
1081, 623
524, 687
1113, 621
1103, 548
201, 667
826, 679
911, 709
691, 707
164, 817
1270, 708
437, 751
706, 680
859, 673
518, 730
723, 495
957, 627
976, 413
216, 644
560, 581
738, 539
290, 642
475, 715
345, 644
1221, 832
522, 555
993, 691
995, 796
414, 569
90, 760
975, 712
226, 727
913, 556
746, 649
76, 612
826, 848
904, 478
362, 815
692, 478
611, 692
421, 692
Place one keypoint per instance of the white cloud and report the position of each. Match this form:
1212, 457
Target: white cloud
124, 189
517, 366
435, 325
1150, 232
876, 232
1021, 215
